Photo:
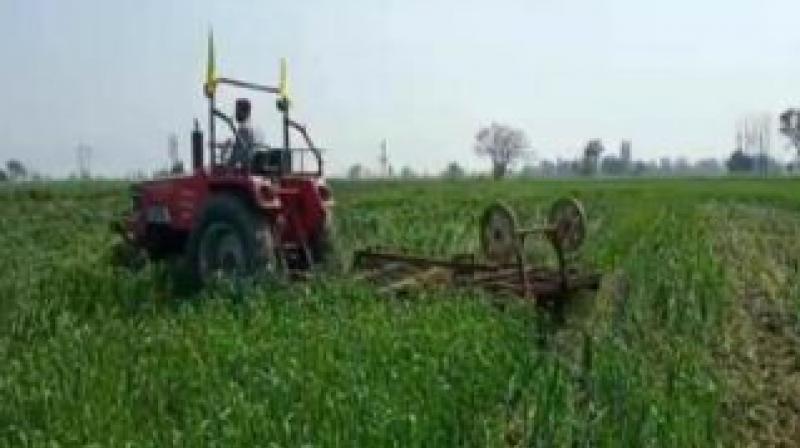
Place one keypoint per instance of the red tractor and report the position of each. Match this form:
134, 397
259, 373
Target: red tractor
250, 209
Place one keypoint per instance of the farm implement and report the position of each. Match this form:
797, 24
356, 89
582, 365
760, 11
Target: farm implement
251, 210
501, 267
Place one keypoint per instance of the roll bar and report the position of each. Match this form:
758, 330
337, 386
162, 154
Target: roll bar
248, 85
283, 105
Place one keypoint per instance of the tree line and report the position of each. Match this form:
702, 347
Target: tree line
505, 146
13, 170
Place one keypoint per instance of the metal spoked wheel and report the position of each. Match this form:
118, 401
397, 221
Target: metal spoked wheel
568, 223
499, 241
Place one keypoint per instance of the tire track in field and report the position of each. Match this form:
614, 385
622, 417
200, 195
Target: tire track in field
760, 352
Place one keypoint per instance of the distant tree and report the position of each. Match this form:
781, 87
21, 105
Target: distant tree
356, 171
453, 171
3, 176
16, 170
739, 162
613, 166
407, 172
503, 144
548, 168
765, 164
529, 171
665, 165
591, 156
708, 166
682, 165
545, 168
566, 168
639, 168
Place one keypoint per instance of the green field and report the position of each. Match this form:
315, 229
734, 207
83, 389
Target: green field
691, 341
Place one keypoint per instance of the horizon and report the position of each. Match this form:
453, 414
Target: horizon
673, 78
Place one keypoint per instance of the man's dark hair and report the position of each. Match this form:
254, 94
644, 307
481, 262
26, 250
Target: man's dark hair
242, 110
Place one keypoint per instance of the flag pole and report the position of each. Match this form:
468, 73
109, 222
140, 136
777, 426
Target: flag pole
210, 88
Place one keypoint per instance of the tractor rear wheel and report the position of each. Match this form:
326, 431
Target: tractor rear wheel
231, 241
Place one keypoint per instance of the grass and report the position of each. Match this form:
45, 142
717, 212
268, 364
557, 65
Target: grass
97, 355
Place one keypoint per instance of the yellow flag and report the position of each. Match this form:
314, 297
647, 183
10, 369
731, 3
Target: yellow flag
283, 87
211, 68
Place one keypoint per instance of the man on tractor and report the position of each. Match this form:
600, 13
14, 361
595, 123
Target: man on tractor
243, 146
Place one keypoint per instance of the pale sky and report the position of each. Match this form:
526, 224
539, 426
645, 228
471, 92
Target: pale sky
672, 76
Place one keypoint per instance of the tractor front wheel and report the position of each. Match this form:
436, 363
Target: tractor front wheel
232, 241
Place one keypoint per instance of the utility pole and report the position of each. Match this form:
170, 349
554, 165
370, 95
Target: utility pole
790, 127
172, 148
764, 142
753, 134
175, 163
384, 158
83, 155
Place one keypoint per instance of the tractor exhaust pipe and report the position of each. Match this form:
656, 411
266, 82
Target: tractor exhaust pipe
197, 148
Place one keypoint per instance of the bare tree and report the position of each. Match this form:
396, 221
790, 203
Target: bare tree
503, 144
407, 172
16, 170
